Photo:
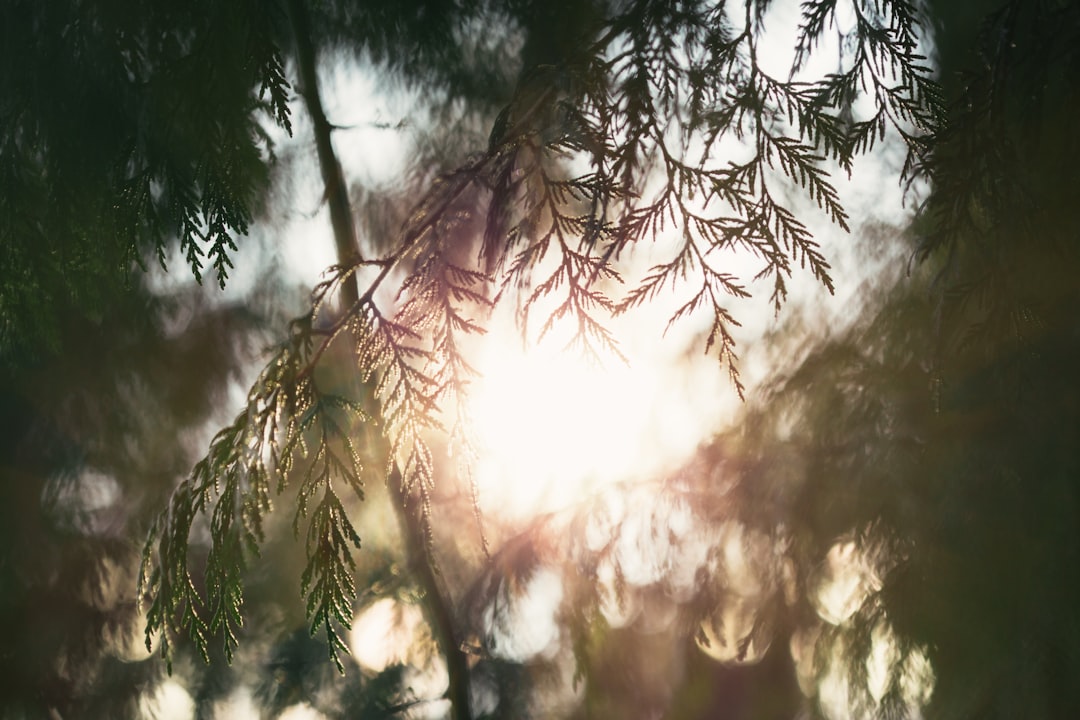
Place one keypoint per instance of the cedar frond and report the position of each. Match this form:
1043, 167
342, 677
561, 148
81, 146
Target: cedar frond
232, 484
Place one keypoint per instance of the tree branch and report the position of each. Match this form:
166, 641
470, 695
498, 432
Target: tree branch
348, 251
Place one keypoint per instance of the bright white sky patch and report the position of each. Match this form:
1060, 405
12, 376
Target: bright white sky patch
528, 626
372, 139
301, 711
239, 705
848, 578
388, 632
169, 701
384, 634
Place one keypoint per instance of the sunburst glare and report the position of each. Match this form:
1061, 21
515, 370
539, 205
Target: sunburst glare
553, 427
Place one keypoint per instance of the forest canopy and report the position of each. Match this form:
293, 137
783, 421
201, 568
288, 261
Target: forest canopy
892, 485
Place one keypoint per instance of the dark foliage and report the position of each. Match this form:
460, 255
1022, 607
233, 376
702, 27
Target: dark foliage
931, 447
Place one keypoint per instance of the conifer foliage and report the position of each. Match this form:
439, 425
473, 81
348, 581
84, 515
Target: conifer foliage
661, 117
930, 446
172, 96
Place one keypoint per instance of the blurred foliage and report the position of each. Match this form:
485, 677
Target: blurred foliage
123, 127
610, 134
938, 435
93, 440
924, 460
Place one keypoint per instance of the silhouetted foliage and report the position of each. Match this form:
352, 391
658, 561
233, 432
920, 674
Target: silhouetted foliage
924, 457
640, 102
93, 441
123, 128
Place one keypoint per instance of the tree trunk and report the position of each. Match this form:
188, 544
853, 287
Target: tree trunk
420, 559
337, 191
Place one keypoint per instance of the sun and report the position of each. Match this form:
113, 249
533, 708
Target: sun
553, 428
550, 429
